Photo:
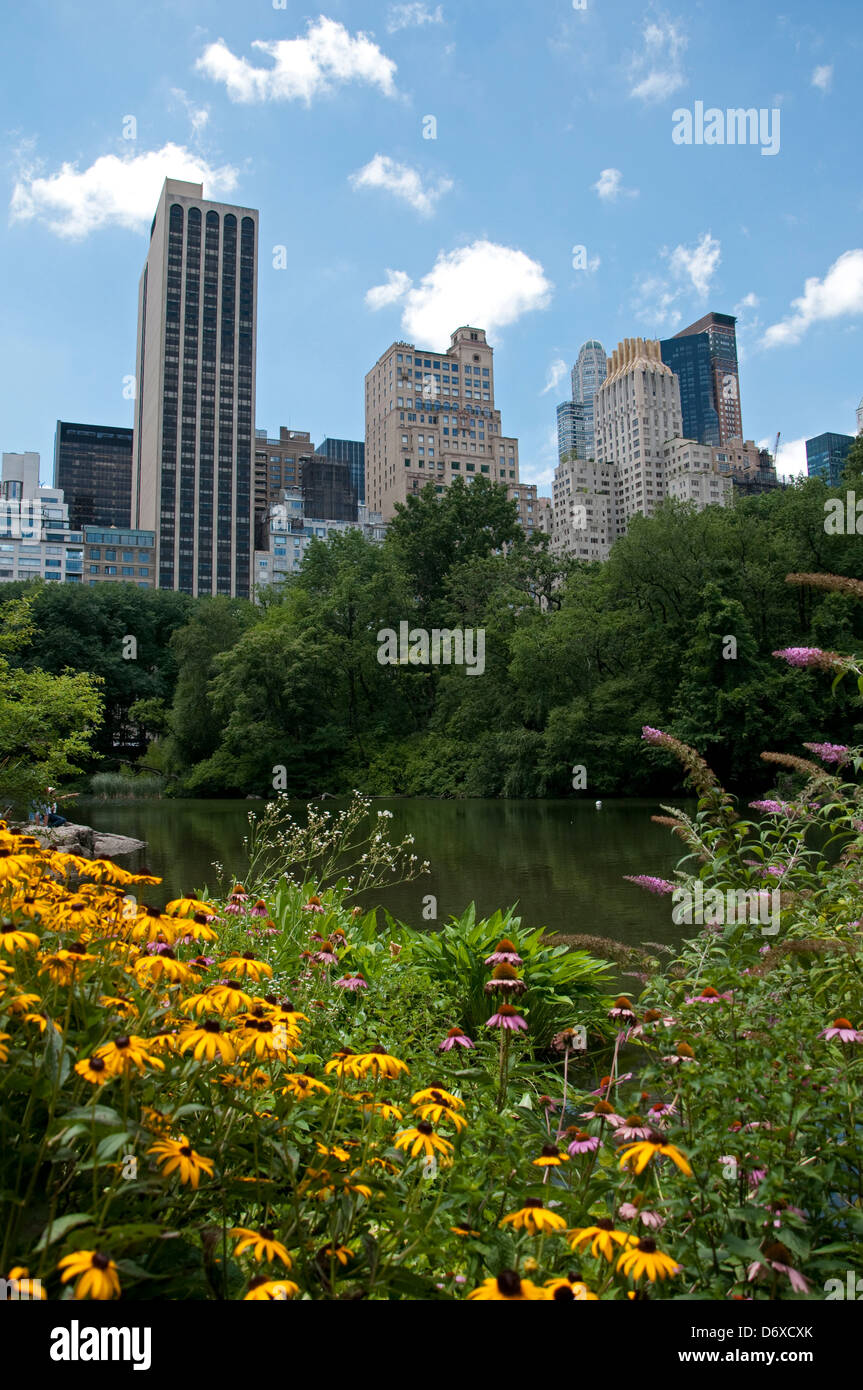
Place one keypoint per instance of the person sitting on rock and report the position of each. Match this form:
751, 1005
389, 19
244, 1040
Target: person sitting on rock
50, 814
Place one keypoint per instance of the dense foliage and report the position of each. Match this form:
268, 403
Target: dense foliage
676, 629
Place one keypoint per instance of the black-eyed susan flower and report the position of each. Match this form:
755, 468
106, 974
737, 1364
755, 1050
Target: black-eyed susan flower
570, 1289
227, 997
384, 1108
15, 939
5, 1038
637, 1156
118, 1005
164, 966
263, 1245
187, 907
435, 1104
342, 1253
264, 1039
345, 1062
644, 1258
199, 928
96, 1274
127, 1052
208, 1043
421, 1139
300, 1085
247, 965
270, 1290
508, 1288
25, 1287
62, 966
335, 1152
550, 1157
534, 1218
177, 1155
439, 1096
601, 1237
95, 1070
379, 1062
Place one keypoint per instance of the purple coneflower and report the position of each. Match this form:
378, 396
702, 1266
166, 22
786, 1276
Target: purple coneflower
506, 1017
602, 1110
651, 1219
455, 1038
683, 1054
633, 1128
325, 958
842, 1029
775, 1257
504, 953
580, 1142
351, 982
260, 909
709, 995
660, 1108
611, 1081
622, 1008
233, 907
652, 884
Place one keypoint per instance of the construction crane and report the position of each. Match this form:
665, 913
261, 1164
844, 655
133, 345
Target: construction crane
776, 448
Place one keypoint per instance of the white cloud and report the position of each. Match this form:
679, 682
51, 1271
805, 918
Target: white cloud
749, 301
402, 181
840, 293
395, 288
609, 186
822, 77
483, 284
656, 72
699, 264
791, 458
412, 17
113, 191
554, 376
199, 116
689, 269
327, 57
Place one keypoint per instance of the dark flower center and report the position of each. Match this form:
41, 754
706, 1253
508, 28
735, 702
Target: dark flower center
424, 1127
508, 1283
99, 1261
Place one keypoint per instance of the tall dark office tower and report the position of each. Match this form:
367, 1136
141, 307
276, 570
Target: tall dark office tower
93, 466
826, 455
194, 446
328, 490
691, 361
722, 337
353, 453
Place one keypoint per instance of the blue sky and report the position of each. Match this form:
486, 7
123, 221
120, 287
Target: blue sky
553, 131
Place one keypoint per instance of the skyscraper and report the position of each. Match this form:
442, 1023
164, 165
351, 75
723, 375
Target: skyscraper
692, 363
93, 466
825, 456
353, 453
328, 490
570, 428
722, 341
194, 438
430, 418
637, 411
588, 374
860, 418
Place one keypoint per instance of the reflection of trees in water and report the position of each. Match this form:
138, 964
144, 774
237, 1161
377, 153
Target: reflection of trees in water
563, 861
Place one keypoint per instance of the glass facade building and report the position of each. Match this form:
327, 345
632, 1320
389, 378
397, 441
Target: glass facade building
721, 333
328, 489
588, 374
825, 456
353, 453
691, 361
93, 468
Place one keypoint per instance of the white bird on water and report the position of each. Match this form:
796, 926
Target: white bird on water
599, 805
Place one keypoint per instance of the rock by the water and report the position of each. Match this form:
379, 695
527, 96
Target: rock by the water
83, 841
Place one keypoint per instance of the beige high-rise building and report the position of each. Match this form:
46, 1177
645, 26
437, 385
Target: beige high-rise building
431, 417
193, 452
584, 516
692, 474
637, 409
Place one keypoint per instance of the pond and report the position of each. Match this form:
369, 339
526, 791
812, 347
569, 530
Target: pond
562, 861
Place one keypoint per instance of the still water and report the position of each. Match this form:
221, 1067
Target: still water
562, 861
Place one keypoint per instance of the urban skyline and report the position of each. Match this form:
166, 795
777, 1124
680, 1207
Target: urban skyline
423, 202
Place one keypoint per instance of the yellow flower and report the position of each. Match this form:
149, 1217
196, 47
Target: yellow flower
534, 1218
228, 997
436, 1105
644, 1258
187, 907
344, 1063
164, 966
601, 1237
439, 1096
378, 1061
263, 1245
551, 1157
637, 1156
422, 1140
118, 1005
20, 1003
384, 1108
178, 1154
301, 1085
208, 1043
270, 1290
4, 1051
335, 1152
25, 1286
13, 939
94, 1069
127, 1052
247, 965
508, 1288
96, 1274
263, 1040
342, 1253
62, 965
566, 1290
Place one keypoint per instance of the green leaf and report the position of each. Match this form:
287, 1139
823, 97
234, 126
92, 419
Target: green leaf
55, 1230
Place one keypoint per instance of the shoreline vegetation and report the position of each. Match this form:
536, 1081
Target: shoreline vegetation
220, 697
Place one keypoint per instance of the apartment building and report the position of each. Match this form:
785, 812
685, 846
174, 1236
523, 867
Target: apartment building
637, 410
